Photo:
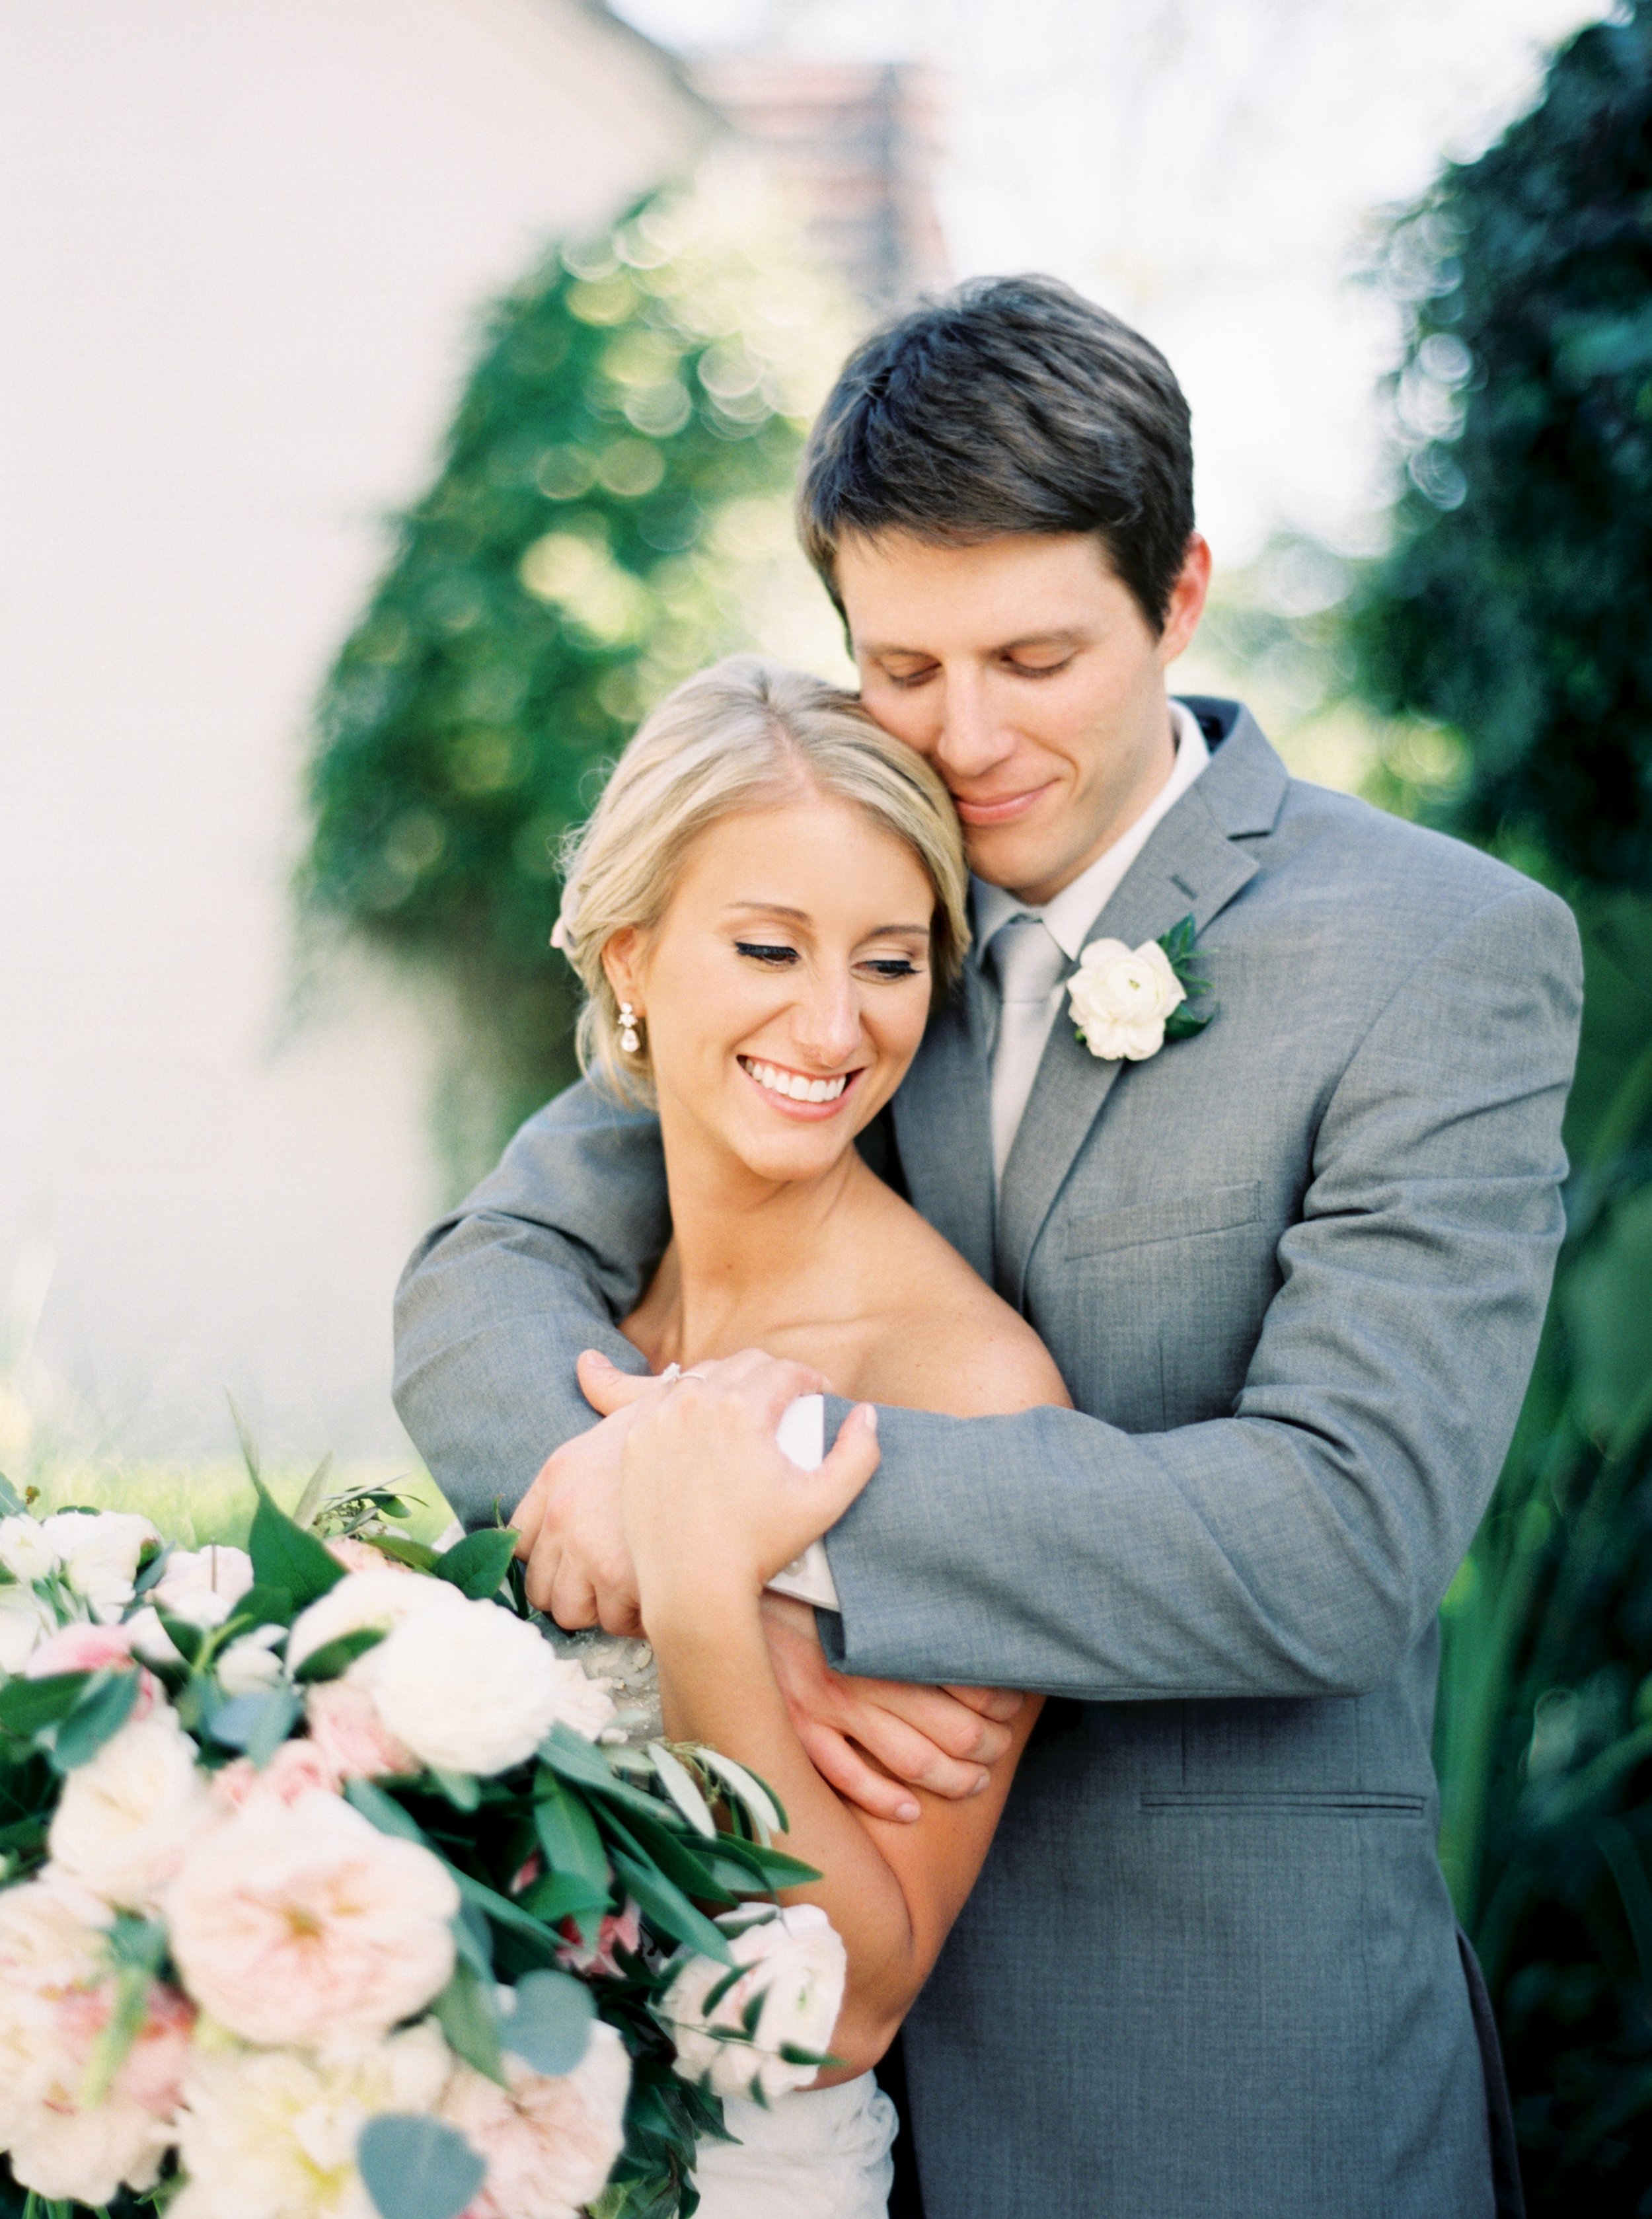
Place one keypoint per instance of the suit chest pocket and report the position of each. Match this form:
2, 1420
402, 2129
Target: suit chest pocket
1177, 1217
1153, 1310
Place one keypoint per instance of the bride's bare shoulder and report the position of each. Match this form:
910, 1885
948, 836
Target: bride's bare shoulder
948, 1342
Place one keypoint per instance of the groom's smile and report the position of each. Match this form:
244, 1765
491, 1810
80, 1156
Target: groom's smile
1026, 671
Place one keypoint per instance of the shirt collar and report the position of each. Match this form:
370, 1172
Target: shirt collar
1069, 916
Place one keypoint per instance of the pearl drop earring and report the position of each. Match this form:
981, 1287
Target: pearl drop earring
628, 1039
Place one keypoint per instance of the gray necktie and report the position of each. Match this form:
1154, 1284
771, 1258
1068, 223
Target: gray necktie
1028, 965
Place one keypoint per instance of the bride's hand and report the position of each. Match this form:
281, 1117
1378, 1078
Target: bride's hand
712, 1508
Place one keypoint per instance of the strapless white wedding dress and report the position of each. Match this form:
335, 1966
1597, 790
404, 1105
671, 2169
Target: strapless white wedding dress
823, 2152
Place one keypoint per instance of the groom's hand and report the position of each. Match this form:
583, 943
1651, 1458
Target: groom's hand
572, 1527
941, 1738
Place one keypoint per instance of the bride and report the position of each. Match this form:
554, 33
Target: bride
768, 897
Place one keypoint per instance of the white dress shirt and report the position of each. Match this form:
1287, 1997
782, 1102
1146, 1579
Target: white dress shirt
1068, 919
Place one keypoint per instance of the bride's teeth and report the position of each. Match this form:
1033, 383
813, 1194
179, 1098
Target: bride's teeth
794, 1086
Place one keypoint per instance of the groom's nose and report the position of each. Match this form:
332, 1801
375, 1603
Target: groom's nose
972, 739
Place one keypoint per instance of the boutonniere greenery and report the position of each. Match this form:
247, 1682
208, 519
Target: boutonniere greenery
1127, 1002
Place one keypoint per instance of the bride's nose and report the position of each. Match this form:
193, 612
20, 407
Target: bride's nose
827, 1020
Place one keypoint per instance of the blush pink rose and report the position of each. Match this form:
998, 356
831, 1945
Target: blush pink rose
94, 1649
307, 1925
347, 1730
549, 2143
362, 1557
297, 1768
152, 2072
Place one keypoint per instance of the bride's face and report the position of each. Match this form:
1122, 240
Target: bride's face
785, 990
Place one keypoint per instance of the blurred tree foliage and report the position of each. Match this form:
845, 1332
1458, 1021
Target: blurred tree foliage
1515, 609
613, 498
1517, 603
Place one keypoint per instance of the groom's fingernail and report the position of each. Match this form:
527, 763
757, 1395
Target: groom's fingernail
909, 1812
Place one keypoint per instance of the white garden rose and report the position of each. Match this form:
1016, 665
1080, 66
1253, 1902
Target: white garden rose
25, 1550
382, 1599
249, 1664
24, 1619
100, 1549
477, 1689
126, 1818
798, 1967
1121, 997
304, 1924
203, 1586
550, 2140
265, 2133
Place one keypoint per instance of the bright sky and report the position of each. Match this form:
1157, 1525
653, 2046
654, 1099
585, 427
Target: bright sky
1211, 169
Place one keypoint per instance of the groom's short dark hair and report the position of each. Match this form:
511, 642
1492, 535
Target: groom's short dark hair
1011, 405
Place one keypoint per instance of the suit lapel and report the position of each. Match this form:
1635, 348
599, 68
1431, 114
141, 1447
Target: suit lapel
1190, 867
942, 1128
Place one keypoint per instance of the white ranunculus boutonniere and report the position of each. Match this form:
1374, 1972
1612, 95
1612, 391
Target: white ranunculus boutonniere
1127, 1002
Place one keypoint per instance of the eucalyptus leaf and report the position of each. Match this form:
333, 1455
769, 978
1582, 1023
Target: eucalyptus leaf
567, 1833
679, 1785
400, 1551
310, 1501
477, 1565
11, 1503
416, 2167
503, 1912
284, 1555
761, 1805
385, 1814
28, 1706
460, 1788
255, 1723
337, 1655
670, 1910
549, 2025
558, 1895
95, 1720
469, 2017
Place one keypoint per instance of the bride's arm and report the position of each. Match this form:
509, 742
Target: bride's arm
704, 1549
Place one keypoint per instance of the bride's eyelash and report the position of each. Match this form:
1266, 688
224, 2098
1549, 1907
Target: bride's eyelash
762, 951
892, 966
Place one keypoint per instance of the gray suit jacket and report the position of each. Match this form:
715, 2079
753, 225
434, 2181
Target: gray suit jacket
1293, 1270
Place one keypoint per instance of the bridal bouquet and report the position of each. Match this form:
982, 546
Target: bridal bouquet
331, 1889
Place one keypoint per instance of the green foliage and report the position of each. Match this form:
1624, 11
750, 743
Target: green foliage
1515, 609
1515, 604
617, 468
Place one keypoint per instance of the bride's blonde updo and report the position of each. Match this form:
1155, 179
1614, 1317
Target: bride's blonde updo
747, 733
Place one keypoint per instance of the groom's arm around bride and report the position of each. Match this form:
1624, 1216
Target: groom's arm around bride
1292, 1268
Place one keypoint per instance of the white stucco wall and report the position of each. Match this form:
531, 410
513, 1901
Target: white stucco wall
240, 245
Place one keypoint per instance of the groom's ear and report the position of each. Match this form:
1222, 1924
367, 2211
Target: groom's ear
1187, 601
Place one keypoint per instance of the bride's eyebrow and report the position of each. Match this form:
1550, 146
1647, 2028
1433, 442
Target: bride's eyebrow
769, 909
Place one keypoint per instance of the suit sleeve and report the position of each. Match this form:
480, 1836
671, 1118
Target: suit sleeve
499, 1297
1300, 1547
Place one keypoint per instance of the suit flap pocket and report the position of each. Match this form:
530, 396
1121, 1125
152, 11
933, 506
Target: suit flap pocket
1211, 1210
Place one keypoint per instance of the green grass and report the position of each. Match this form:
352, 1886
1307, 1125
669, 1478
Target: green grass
195, 1503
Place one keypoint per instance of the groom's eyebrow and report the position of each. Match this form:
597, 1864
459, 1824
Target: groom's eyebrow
1061, 635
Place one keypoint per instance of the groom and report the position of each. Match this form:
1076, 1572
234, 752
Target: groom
1292, 1267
